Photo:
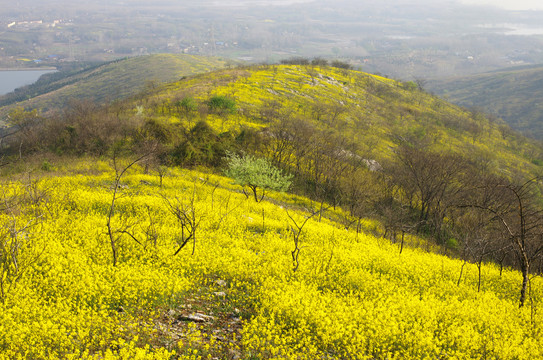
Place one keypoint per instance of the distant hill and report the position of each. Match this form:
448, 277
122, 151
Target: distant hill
109, 81
514, 95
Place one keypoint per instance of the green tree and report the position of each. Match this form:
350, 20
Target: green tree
256, 173
202, 146
187, 107
222, 105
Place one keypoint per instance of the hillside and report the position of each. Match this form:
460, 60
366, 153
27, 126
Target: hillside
121, 238
111, 81
234, 291
372, 113
338, 131
513, 95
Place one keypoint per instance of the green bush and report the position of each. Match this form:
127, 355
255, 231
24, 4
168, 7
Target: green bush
202, 146
186, 105
452, 243
222, 104
46, 166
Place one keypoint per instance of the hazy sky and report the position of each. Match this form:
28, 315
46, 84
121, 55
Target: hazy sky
510, 4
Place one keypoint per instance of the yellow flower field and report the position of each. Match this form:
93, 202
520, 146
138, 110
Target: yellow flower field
353, 296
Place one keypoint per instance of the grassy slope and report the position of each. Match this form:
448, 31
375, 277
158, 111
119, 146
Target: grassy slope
120, 79
372, 111
514, 95
353, 296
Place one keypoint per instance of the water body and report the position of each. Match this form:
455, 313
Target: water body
513, 29
12, 79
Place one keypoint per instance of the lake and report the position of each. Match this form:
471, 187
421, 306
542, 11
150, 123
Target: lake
12, 79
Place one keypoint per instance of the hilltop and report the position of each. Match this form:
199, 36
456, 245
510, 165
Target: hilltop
511, 94
109, 81
374, 113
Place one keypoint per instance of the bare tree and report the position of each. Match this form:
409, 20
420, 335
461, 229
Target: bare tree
115, 233
296, 231
188, 217
225, 208
22, 132
513, 207
429, 181
289, 142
